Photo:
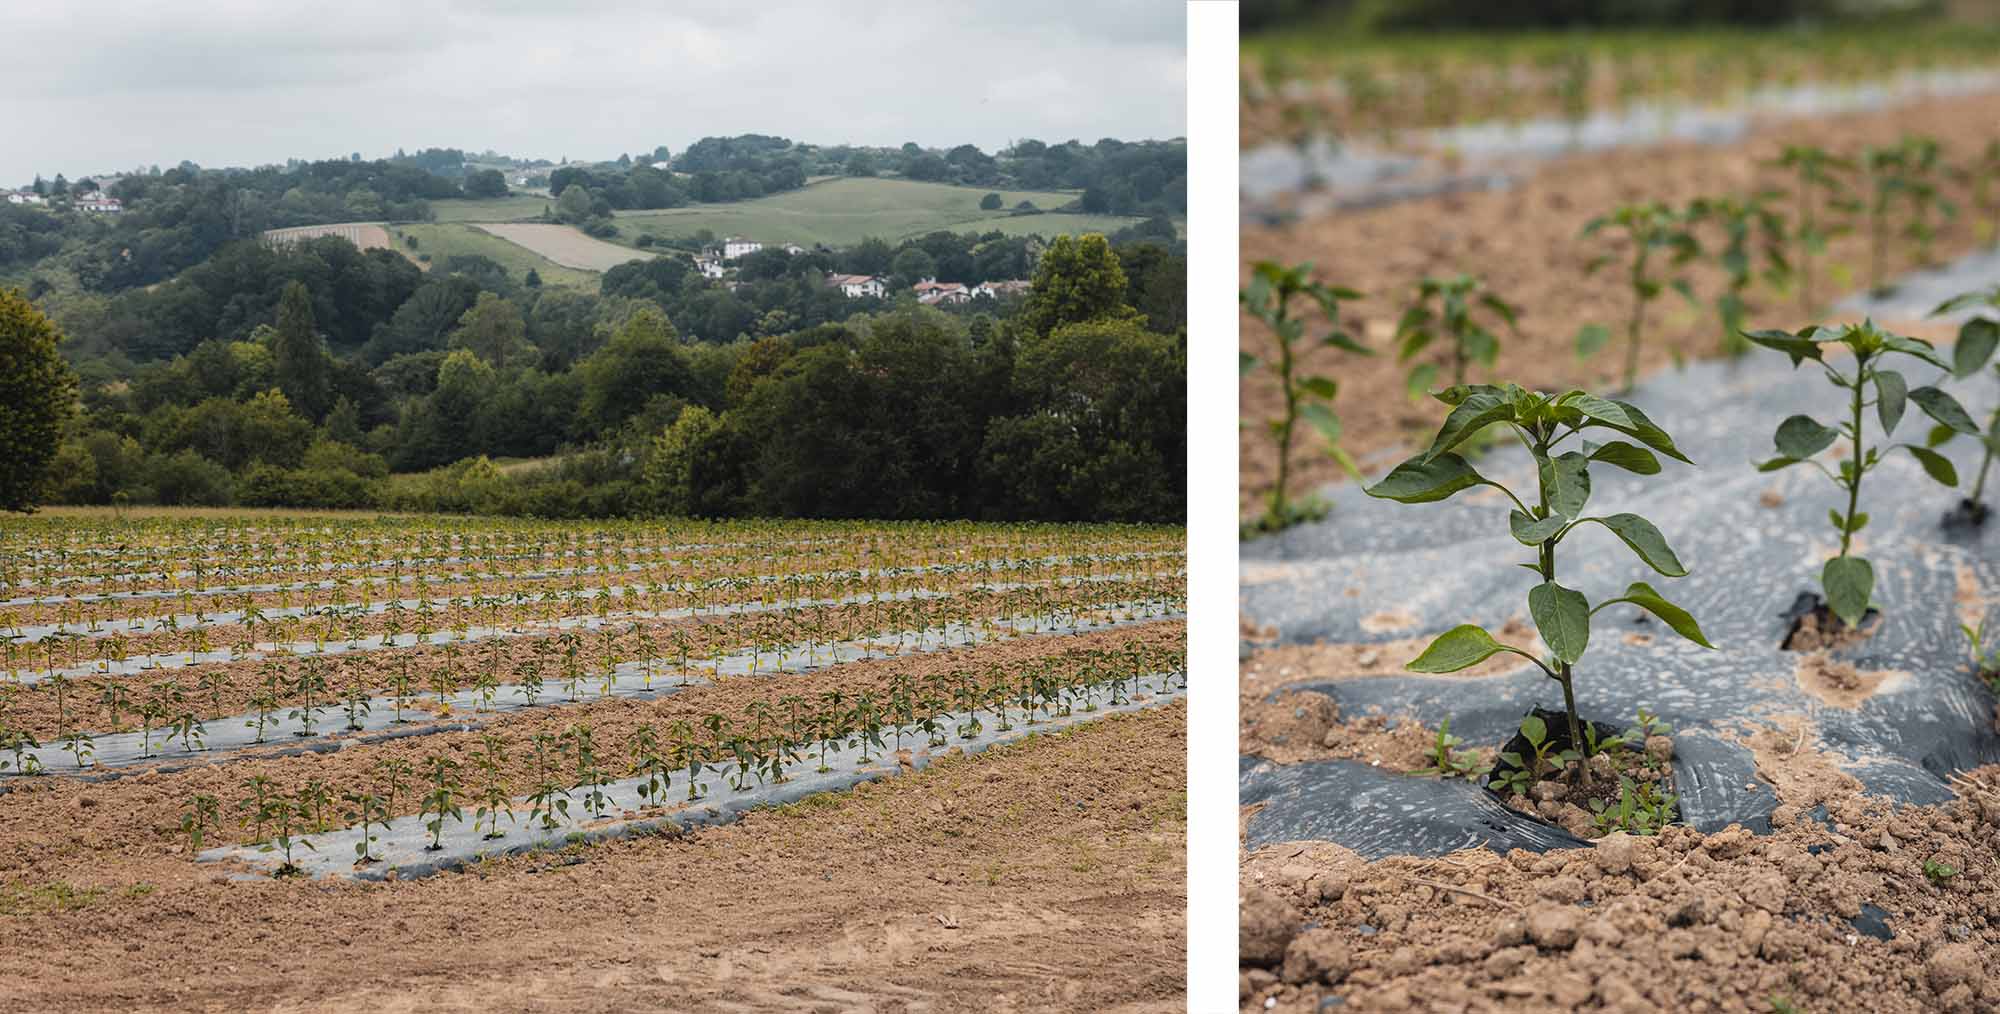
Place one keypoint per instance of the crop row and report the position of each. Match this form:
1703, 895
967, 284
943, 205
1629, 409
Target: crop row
307, 701
763, 745
117, 654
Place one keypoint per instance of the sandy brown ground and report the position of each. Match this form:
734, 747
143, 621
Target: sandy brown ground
1047, 876
1524, 242
1683, 921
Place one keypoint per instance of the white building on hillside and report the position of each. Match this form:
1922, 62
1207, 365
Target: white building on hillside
1007, 287
932, 292
709, 267
737, 246
859, 286
25, 197
99, 204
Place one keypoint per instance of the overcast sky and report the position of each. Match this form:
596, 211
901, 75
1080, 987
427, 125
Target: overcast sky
114, 84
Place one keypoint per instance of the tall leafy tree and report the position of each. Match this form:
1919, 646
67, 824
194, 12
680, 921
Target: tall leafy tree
304, 373
37, 396
1079, 279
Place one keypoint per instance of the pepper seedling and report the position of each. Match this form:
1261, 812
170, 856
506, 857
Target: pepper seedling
1849, 580
1740, 219
1443, 307
1543, 422
1823, 171
1648, 229
1977, 339
1268, 298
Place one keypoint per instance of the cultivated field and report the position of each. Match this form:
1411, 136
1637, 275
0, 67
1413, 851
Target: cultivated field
843, 212
564, 245
318, 746
1683, 714
364, 235
444, 241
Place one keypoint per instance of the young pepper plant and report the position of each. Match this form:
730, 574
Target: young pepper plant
1977, 339
1739, 219
1470, 340
1823, 172
1544, 422
1649, 228
1849, 580
1310, 398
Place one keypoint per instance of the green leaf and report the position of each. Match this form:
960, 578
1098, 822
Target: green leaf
1566, 479
1535, 731
1627, 419
1773, 464
1421, 378
1532, 532
1322, 419
1936, 465
1342, 340
1346, 463
1944, 408
1801, 437
1563, 617
1798, 347
1630, 457
1479, 410
1456, 649
1421, 481
1590, 338
1323, 387
1848, 581
1642, 595
1645, 540
1976, 341
1914, 347
1892, 391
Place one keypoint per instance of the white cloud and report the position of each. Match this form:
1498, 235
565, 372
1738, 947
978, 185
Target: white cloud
120, 83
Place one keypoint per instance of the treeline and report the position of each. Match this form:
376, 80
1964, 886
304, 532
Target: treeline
306, 376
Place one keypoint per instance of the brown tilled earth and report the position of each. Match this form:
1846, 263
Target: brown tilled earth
1524, 242
1682, 921
1047, 875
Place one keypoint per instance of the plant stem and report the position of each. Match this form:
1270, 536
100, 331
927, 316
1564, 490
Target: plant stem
1278, 506
1854, 483
1563, 672
1986, 460
1805, 243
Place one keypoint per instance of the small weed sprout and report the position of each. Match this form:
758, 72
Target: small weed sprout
1985, 655
1640, 809
1268, 298
1648, 229
1543, 422
1444, 307
1938, 873
1849, 580
1446, 760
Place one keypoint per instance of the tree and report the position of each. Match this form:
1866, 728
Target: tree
991, 202
573, 205
37, 397
643, 360
299, 356
485, 183
1079, 279
494, 331
912, 266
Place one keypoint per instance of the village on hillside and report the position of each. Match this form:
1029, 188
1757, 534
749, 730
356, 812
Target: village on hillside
713, 263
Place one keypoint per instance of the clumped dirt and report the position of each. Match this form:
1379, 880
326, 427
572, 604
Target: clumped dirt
1820, 630
1043, 876
1682, 921
1840, 684
1524, 242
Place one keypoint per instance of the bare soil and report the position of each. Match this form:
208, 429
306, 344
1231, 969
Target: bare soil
1680, 921
1524, 241
1043, 876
